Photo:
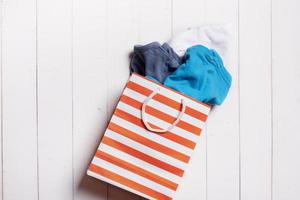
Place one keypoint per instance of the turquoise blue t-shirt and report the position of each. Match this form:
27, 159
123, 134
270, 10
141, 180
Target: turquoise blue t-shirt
201, 76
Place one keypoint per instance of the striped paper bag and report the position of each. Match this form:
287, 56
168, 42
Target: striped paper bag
149, 140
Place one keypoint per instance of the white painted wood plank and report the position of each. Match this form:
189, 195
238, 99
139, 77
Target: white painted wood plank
54, 61
121, 36
1, 180
90, 92
154, 21
255, 99
187, 15
286, 99
19, 100
223, 123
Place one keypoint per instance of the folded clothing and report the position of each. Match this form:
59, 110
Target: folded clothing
154, 61
215, 37
201, 76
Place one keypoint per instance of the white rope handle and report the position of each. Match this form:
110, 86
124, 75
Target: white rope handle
145, 118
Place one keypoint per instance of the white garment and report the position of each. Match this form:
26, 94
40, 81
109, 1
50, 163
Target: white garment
215, 37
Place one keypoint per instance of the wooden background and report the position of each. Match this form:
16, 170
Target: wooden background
65, 62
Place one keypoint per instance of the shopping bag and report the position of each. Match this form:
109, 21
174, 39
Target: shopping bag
149, 140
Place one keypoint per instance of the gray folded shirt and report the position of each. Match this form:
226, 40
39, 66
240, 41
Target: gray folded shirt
154, 61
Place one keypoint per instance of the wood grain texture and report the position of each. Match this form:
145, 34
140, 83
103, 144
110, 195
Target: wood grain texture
19, 122
255, 113
1, 136
286, 99
54, 90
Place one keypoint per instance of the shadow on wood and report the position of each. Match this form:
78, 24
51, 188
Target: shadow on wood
93, 187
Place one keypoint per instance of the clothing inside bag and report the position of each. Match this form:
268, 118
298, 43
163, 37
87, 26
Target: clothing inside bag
154, 61
217, 37
190, 63
201, 76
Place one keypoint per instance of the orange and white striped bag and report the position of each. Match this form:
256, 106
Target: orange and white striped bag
149, 140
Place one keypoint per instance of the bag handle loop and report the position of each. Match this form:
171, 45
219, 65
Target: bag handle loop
145, 118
